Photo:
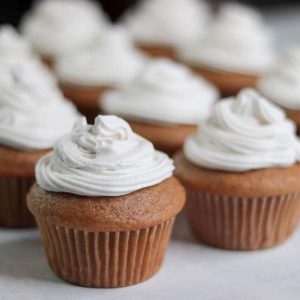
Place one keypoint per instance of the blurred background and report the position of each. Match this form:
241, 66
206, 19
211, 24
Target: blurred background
281, 15
12, 10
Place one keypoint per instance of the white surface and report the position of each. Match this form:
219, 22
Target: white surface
191, 271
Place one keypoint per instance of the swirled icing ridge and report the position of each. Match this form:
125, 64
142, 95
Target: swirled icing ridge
104, 159
164, 92
243, 134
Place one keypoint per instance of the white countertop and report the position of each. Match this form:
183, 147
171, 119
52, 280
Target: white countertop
190, 271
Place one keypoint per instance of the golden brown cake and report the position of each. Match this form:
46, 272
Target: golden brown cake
294, 115
165, 138
106, 210
48, 61
115, 241
229, 83
241, 172
248, 211
158, 51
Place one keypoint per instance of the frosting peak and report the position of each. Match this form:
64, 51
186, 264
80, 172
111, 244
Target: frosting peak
109, 135
12, 45
109, 59
169, 22
165, 75
55, 27
243, 134
237, 41
164, 91
33, 112
104, 159
282, 85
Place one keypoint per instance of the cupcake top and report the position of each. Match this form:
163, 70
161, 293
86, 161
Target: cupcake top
244, 133
12, 45
164, 92
237, 41
104, 159
33, 113
168, 22
55, 27
282, 85
109, 59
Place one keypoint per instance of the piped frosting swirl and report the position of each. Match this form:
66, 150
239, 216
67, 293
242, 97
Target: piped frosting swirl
282, 85
104, 159
168, 22
12, 45
244, 133
109, 59
164, 92
33, 112
55, 27
237, 41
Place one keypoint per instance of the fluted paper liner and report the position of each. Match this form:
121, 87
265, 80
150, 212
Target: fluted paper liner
13, 208
105, 259
239, 223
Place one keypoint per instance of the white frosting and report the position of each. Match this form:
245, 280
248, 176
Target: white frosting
33, 113
13, 46
243, 134
282, 85
31, 67
107, 60
170, 22
237, 41
16, 51
164, 92
105, 159
55, 27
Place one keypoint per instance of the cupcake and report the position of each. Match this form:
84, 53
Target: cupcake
241, 173
282, 85
235, 52
55, 27
163, 103
85, 74
160, 26
32, 116
12, 45
105, 202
